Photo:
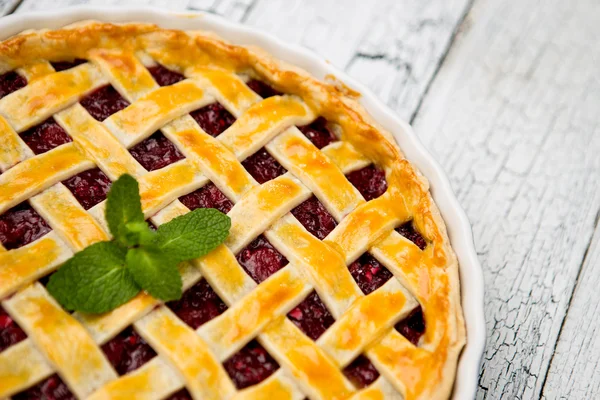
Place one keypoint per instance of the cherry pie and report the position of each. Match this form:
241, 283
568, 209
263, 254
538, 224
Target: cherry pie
337, 279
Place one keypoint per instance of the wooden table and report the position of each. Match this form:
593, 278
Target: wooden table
506, 94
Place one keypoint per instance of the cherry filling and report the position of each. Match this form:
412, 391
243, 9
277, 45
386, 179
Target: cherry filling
10, 332
208, 196
103, 102
315, 217
408, 231
164, 76
413, 326
262, 89
214, 119
318, 133
45, 136
260, 259
183, 394
52, 388
368, 273
63, 65
251, 365
370, 181
311, 316
21, 225
10, 82
361, 372
156, 152
89, 187
198, 305
128, 351
263, 167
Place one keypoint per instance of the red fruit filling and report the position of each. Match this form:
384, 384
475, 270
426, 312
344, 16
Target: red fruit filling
311, 316
156, 152
214, 119
128, 351
361, 372
413, 326
262, 89
164, 76
62, 65
315, 217
260, 259
251, 365
10, 82
21, 225
10, 332
45, 136
52, 388
408, 231
104, 102
318, 133
368, 273
89, 187
370, 181
198, 305
263, 167
183, 394
208, 196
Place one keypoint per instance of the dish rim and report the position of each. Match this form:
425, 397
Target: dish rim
455, 218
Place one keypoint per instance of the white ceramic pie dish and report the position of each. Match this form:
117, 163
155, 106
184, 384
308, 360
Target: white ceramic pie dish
459, 229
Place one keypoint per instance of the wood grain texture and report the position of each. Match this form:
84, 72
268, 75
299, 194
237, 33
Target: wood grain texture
513, 118
574, 368
394, 47
7, 6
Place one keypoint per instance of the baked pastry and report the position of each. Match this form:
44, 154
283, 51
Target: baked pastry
337, 279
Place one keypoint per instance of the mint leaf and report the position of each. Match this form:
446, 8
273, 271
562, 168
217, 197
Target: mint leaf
94, 280
155, 272
139, 233
123, 207
193, 234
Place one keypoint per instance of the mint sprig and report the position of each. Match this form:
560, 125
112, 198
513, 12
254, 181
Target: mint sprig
106, 275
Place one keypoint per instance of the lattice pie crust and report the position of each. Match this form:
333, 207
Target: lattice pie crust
218, 71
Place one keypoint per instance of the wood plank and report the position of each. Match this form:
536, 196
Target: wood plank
394, 47
235, 10
41, 5
513, 118
573, 372
7, 6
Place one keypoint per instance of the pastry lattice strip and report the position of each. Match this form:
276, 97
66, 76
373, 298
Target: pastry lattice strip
171, 131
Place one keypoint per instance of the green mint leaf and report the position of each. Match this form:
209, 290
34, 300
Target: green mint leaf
138, 233
95, 280
123, 207
155, 272
193, 234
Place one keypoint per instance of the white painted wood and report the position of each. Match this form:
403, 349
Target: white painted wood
392, 46
7, 6
513, 118
574, 369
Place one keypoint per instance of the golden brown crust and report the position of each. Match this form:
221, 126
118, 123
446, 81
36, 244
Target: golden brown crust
434, 282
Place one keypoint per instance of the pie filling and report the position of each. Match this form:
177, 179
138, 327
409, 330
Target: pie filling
128, 351
21, 225
156, 152
89, 187
45, 136
260, 259
10, 332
